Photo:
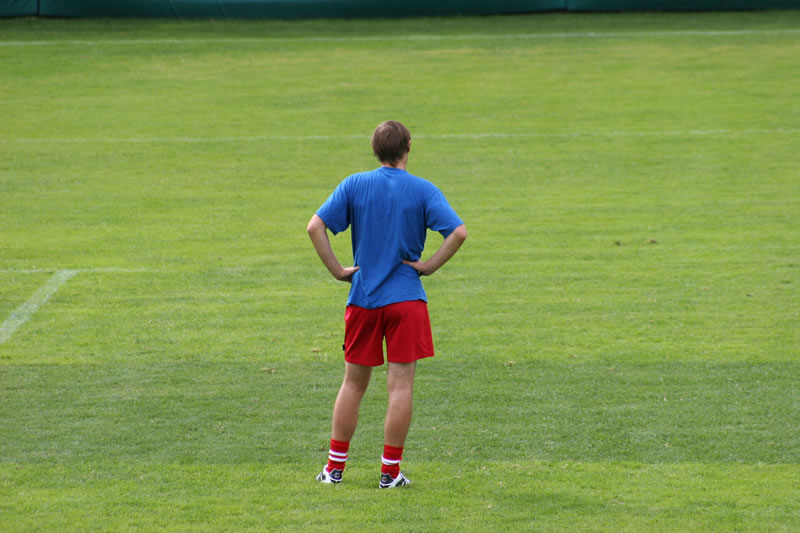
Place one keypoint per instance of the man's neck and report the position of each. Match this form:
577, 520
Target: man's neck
397, 164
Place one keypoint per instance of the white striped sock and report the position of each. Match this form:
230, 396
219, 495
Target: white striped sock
337, 457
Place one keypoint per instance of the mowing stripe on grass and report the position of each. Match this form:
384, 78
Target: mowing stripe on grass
24, 312
485, 135
419, 37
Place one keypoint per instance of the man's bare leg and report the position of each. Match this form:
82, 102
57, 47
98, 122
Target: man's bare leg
345, 410
400, 382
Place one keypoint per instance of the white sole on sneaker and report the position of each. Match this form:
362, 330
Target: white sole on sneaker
388, 483
333, 477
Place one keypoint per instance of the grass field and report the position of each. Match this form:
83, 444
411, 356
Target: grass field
617, 341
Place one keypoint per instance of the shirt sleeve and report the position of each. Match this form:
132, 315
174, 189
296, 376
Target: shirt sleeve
335, 212
439, 216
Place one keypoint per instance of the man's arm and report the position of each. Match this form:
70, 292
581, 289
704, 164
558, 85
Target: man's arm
447, 250
317, 230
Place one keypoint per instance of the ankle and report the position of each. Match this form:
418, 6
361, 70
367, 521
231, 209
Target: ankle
390, 462
337, 456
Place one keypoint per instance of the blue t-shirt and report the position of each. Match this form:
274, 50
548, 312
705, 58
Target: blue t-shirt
390, 212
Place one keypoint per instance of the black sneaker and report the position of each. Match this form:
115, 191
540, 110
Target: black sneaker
334, 476
387, 482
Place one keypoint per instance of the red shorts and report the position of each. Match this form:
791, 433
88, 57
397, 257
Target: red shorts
405, 325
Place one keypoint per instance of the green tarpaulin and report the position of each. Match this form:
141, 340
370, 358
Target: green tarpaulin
677, 5
19, 8
289, 8
292, 9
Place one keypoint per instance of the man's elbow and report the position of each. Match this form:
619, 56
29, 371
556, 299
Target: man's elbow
461, 232
315, 225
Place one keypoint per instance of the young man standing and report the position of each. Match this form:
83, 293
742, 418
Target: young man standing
390, 212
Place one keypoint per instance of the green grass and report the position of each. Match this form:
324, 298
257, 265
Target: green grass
617, 342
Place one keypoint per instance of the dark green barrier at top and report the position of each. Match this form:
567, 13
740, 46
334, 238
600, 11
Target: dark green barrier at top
354, 8
289, 8
18, 8
677, 5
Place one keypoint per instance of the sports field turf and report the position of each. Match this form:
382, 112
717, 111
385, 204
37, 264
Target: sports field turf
618, 339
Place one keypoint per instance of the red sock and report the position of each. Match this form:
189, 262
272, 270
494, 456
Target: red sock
337, 457
391, 460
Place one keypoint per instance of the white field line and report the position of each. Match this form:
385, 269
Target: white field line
409, 38
486, 135
24, 312
77, 270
